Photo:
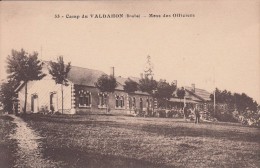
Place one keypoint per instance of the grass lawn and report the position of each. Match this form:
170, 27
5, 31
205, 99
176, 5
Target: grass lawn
120, 141
7, 146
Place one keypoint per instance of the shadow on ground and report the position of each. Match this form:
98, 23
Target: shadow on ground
88, 159
172, 130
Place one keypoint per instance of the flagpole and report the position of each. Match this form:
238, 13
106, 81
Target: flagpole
214, 92
184, 98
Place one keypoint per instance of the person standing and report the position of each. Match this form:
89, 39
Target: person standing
185, 112
197, 114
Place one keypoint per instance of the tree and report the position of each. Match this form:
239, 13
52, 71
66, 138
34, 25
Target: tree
237, 101
24, 67
130, 86
244, 102
148, 71
181, 93
106, 83
165, 90
59, 72
7, 94
147, 85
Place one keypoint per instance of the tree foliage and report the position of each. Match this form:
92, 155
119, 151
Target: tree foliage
106, 83
222, 96
148, 71
239, 101
22, 66
59, 71
130, 86
7, 94
181, 93
147, 85
165, 90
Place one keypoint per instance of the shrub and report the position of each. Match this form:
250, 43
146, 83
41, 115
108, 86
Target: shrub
161, 113
57, 113
170, 113
226, 117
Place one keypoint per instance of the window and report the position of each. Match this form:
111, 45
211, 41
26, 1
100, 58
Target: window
134, 102
151, 100
130, 103
102, 100
117, 101
84, 98
120, 102
141, 103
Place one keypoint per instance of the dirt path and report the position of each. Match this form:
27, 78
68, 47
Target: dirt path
29, 151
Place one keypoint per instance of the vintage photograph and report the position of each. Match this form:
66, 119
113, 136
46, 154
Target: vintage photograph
130, 84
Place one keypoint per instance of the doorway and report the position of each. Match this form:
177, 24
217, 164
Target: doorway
34, 103
53, 102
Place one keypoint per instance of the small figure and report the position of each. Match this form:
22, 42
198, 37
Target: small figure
197, 114
51, 109
185, 111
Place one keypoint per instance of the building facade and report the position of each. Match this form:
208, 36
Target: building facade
81, 96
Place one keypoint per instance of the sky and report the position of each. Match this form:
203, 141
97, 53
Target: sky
219, 47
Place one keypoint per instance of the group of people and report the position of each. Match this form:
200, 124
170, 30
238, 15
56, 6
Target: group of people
194, 110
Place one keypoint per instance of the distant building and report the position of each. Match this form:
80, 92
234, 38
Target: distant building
193, 96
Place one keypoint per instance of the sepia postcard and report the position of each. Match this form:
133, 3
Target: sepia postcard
130, 83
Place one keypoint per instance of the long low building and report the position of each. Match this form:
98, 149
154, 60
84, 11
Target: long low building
81, 95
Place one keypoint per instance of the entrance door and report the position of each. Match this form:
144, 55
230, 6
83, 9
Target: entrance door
53, 102
141, 104
34, 101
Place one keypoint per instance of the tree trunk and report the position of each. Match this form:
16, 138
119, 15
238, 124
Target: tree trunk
166, 103
129, 103
184, 101
148, 106
25, 99
61, 98
153, 106
107, 103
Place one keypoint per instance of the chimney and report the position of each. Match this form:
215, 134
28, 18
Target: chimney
112, 71
141, 75
193, 87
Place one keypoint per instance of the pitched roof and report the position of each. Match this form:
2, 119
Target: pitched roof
88, 77
191, 96
200, 93
121, 82
84, 76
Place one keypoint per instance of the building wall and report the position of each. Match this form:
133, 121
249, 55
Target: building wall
94, 106
43, 89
